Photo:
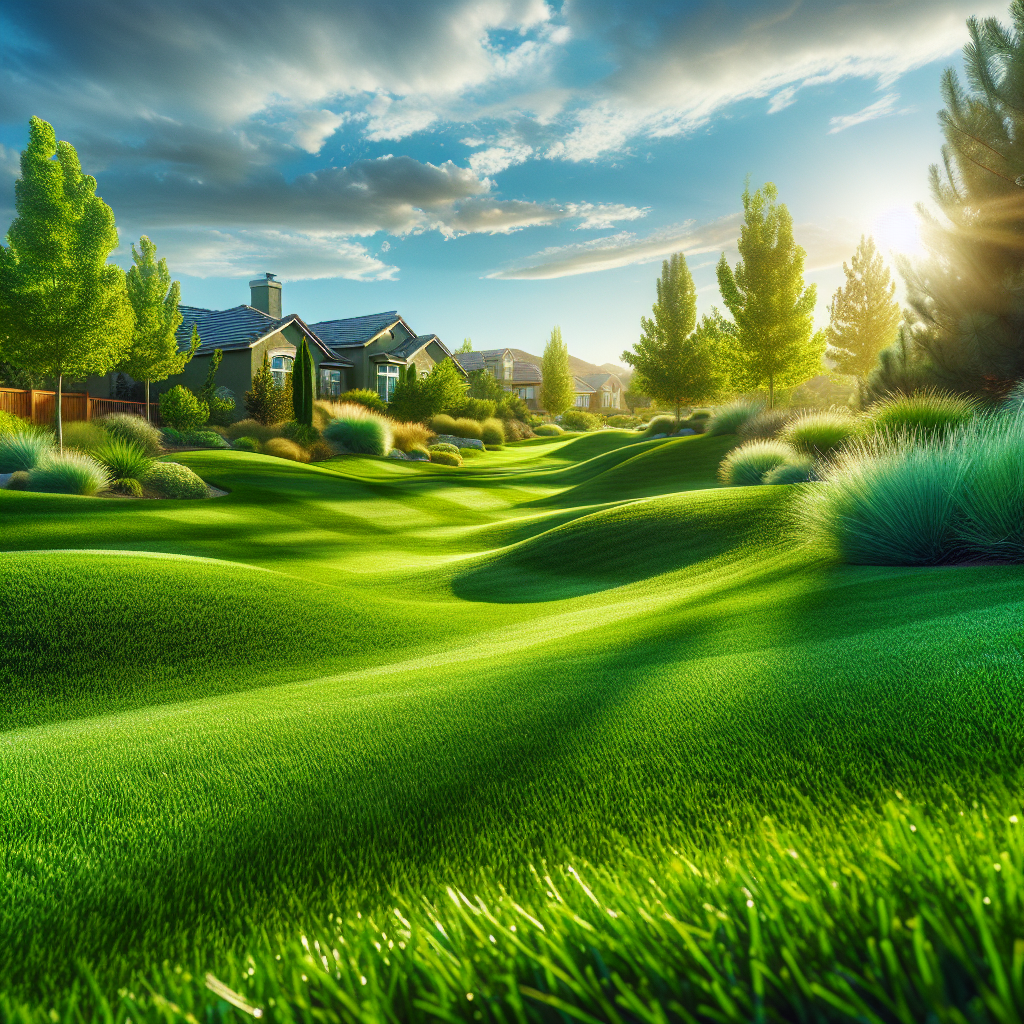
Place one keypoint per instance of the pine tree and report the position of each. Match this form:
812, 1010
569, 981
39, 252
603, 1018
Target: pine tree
775, 345
672, 362
865, 316
303, 386
64, 310
263, 402
557, 389
154, 353
967, 298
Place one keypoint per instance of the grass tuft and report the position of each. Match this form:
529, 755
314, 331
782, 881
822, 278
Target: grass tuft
409, 436
69, 473
727, 419
747, 465
359, 430
123, 459
924, 414
492, 431
548, 430
283, 448
24, 451
799, 470
133, 430
765, 425
820, 434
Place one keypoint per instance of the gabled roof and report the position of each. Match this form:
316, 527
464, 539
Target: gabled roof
600, 380
526, 373
357, 331
522, 372
236, 328
581, 387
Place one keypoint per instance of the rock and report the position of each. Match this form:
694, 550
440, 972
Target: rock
460, 442
685, 432
656, 437
396, 453
5, 479
415, 456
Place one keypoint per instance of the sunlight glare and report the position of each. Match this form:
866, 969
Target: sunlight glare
897, 231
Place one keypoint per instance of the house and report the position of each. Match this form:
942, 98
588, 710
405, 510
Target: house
584, 393
358, 352
514, 374
606, 392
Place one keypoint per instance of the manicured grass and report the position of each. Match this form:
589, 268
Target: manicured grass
342, 688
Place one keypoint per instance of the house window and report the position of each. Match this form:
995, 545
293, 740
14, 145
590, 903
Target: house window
507, 364
582, 401
526, 394
280, 367
330, 383
387, 380
606, 398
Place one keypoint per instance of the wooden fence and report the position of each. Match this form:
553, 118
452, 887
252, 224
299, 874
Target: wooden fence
41, 406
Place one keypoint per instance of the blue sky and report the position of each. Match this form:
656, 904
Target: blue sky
488, 167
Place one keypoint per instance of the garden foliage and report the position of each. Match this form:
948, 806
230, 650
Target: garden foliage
358, 430
132, 429
747, 465
727, 419
580, 420
181, 410
68, 473
172, 480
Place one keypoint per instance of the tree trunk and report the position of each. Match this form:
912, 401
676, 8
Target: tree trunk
771, 392
60, 429
148, 419
678, 406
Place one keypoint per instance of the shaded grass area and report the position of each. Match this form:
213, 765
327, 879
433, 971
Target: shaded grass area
444, 682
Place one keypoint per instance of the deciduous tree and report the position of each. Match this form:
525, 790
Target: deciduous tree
154, 353
557, 389
774, 341
673, 362
64, 310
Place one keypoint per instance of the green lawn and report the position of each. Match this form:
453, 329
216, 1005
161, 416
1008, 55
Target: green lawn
681, 765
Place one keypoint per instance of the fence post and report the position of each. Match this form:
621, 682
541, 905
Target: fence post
88, 406
32, 405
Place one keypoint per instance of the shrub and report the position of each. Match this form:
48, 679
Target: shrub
445, 458
472, 408
547, 430
798, 470
623, 422
443, 424
362, 432
11, 424
127, 486
517, 430
492, 431
25, 450
173, 480
661, 425
300, 433
468, 428
68, 473
364, 397
18, 481
698, 426
765, 424
124, 461
84, 435
245, 444
727, 419
747, 465
321, 451
925, 413
283, 448
406, 436
511, 407
180, 409
579, 419
250, 428
444, 446
821, 433
700, 414
134, 430
203, 439
170, 438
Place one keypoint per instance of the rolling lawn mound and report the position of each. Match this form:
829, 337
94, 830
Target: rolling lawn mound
567, 734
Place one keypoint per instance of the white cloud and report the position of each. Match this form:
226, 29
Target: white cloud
496, 159
314, 127
604, 215
884, 107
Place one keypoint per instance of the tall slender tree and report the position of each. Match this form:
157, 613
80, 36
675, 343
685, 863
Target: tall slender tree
64, 310
466, 346
303, 385
865, 316
557, 389
672, 362
154, 353
775, 344
967, 297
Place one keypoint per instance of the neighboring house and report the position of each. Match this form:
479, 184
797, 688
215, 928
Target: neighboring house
606, 392
359, 352
514, 375
584, 393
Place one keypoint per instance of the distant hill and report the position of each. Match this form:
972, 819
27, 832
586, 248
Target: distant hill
580, 367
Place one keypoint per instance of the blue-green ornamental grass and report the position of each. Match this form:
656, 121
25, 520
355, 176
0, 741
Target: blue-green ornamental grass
820, 433
727, 419
798, 470
747, 465
926, 413
572, 734
367, 434
24, 450
69, 472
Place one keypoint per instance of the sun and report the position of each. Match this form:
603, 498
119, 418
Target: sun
897, 231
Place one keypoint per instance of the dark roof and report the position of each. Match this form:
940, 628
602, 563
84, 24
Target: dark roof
525, 372
598, 380
235, 328
581, 387
356, 330
521, 371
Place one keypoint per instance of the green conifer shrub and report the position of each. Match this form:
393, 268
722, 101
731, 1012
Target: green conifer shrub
182, 410
173, 480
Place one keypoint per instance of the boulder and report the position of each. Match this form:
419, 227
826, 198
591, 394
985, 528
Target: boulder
657, 437
417, 456
460, 442
396, 453
685, 432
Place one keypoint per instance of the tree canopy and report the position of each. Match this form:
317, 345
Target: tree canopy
153, 354
774, 344
64, 310
557, 390
673, 362
865, 316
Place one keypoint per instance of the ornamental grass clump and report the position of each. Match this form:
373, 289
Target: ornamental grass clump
203, 439
548, 430
283, 448
359, 430
798, 470
445, 458
134, 430
821, 434
444, 446
25, 450
443, 424
747, 465
251, 428
728, 419
580, 420
127, 464
407, 436
661, 425
765, 424
245, 444
925, 413
173, 480
464, 427
84, 436
69, 473
493, 431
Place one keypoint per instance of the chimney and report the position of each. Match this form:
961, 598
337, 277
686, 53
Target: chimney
266, 295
